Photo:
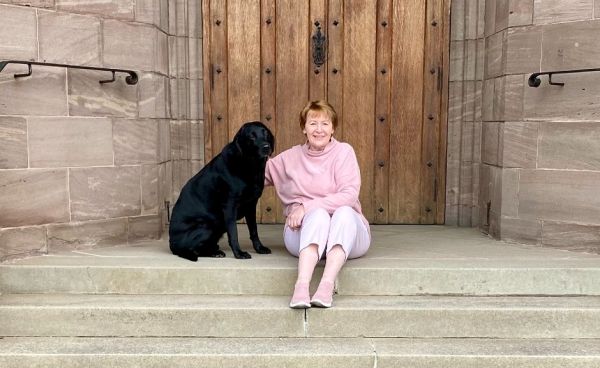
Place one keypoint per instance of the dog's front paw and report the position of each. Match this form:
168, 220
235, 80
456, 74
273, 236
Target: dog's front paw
262, 250
242, 255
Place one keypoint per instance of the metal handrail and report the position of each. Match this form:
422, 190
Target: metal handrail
131, 79
534, 80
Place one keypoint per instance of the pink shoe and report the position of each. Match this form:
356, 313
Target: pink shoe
323, 298
301, 297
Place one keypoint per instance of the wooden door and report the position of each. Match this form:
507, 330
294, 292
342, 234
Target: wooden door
385, 73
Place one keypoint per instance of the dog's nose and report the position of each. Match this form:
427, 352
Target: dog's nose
266, 149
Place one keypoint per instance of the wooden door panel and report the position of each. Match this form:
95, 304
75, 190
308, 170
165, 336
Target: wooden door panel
383, 74
359, 90
382, 112
269, 205
406, 115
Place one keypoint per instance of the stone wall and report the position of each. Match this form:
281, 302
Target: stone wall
540, 147
84, 164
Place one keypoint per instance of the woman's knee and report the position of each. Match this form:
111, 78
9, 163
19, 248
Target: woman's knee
345, 212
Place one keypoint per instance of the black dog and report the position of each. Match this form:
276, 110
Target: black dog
224, 191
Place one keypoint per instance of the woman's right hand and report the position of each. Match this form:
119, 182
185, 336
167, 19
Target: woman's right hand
294, 219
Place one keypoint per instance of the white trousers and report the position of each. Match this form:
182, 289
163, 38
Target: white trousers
345, 228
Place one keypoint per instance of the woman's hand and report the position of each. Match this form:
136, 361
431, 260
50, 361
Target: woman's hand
294, 219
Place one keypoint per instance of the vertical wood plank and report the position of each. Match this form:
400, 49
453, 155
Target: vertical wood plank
407, 106
207, 78
243, 44
432, 83
219, 73
292, 55
359, 91
382, 111
335, 60
269, 203
443, 124
317, 74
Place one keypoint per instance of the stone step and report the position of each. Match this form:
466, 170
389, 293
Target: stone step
150, 269
297, 352
269, 316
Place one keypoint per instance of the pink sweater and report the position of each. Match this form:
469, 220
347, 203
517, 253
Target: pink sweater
326, 179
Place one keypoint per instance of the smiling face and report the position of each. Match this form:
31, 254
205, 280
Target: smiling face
318, 129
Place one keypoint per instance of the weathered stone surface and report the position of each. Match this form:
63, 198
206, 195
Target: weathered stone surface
520, 141
134, 47
87, 97
196, 99
576, 100
197, 140
480, 67
153, 96
34, 3
69, 142
164, 140
122, 9
43, 93
22, 22
13, 140
523, 50
510, 193
69, 38
572, 45
513, 97
86, 235
153, 12
144, 228
490, 143
182, 172
495, 59
557, 11
519, 230
471, 19
135, 141
150, 202
33, 197
22, 240
487, 96
490, 17
501, 15
470, 60
457, 21
181, 140
457, 59
520, 13
569, 146
569, 236
455, 96
105, 192
570, 196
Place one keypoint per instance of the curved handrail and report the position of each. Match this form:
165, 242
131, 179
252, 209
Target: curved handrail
534, 79
131, 79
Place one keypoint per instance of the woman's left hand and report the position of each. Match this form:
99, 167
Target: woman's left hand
294, 219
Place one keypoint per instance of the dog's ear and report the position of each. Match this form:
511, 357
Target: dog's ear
239, 136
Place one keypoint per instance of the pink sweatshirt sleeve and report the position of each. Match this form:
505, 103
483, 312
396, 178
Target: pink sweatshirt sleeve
347, 177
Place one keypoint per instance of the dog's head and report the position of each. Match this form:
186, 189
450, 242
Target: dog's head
255, 139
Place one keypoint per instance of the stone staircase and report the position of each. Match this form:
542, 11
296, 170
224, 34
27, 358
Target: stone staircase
425, 296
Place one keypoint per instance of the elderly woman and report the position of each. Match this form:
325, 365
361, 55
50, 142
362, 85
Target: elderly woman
318, 183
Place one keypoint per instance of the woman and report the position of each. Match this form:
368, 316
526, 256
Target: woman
318, 183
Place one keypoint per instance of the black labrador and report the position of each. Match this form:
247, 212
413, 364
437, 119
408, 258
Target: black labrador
224, 191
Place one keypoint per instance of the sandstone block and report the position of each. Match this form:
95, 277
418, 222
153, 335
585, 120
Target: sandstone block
69, 38
33, 197
105, 192
69, 142
13, 140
